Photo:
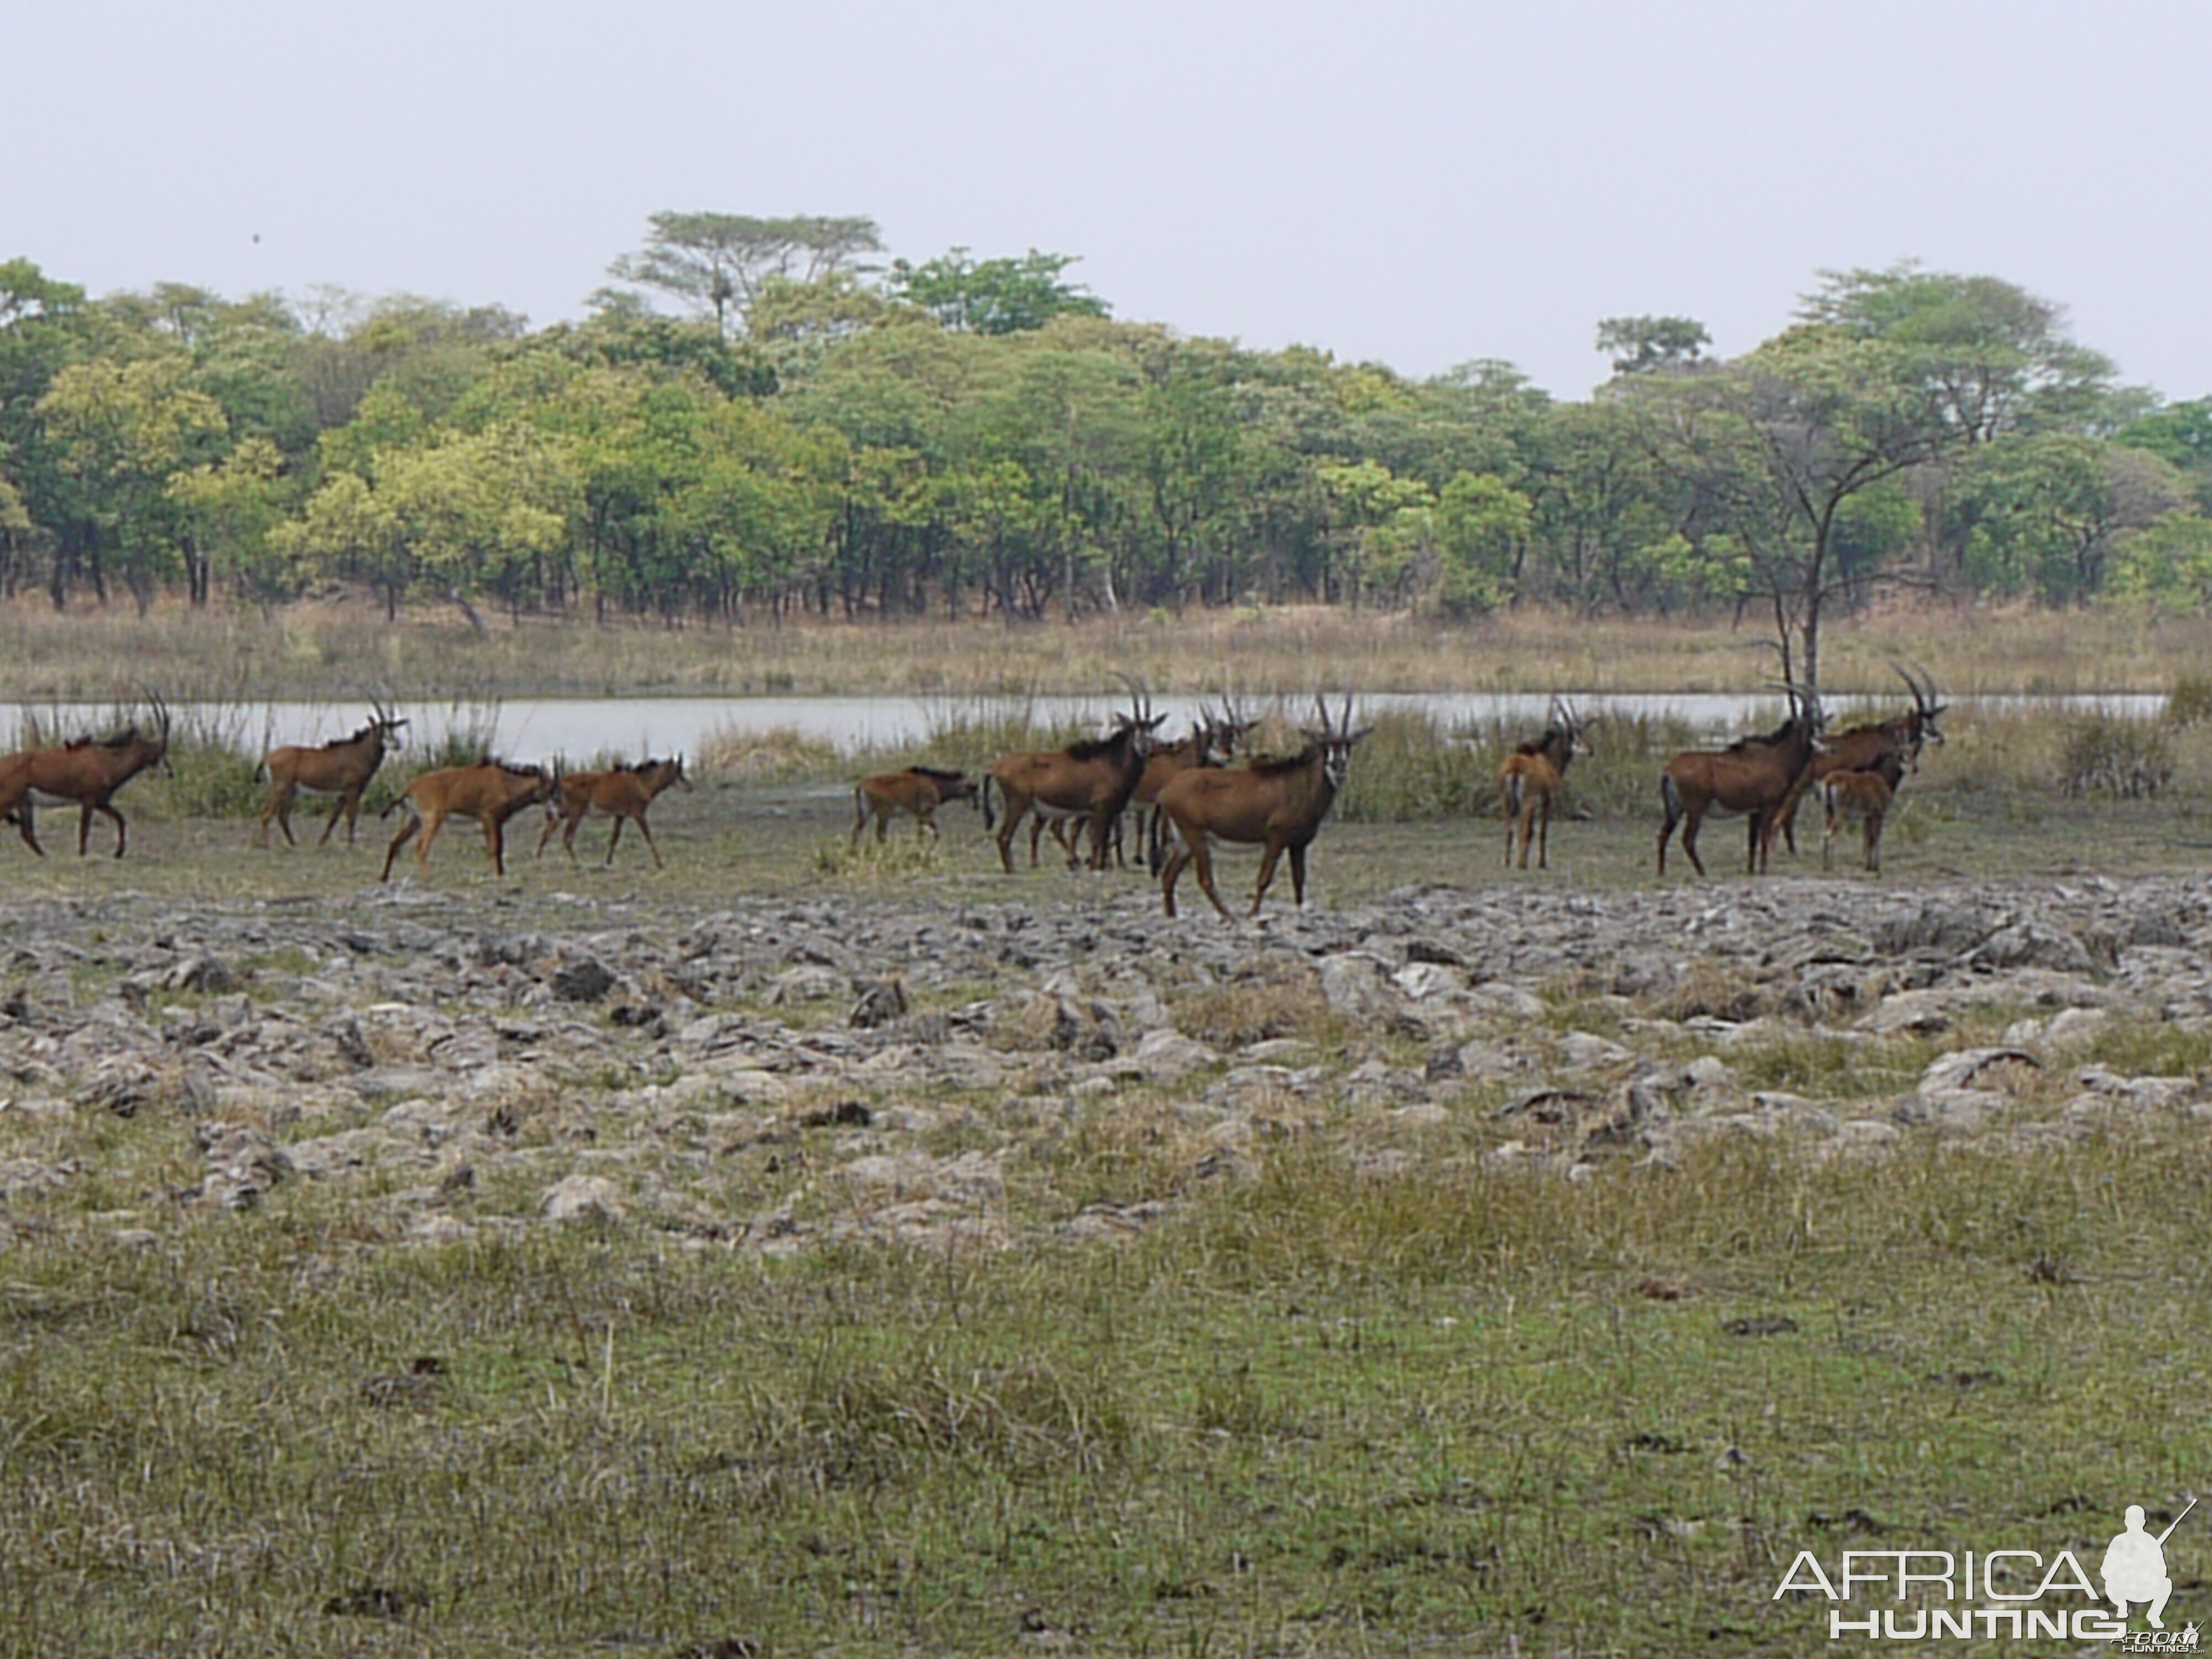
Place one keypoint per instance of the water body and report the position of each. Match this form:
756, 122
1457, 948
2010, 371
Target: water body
530, 728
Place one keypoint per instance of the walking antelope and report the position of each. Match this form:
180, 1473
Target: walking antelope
1864, 795
1531, 777
1751, 776
1093, 779
1277, 805
84, 774
1864, 748
342, 768
920, 790
623, 793
491, 792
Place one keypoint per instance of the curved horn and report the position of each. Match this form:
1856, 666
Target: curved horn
1919, 697
1934, 697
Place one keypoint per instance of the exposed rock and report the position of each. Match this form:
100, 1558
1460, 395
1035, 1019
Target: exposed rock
582, 1198
582, 981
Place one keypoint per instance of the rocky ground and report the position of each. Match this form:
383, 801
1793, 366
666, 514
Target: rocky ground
776, 1076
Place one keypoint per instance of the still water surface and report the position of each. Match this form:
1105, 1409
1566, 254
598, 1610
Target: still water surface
581, 727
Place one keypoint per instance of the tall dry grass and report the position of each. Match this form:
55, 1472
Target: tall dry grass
315, 650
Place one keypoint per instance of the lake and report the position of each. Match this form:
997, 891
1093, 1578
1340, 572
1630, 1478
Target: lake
529, 729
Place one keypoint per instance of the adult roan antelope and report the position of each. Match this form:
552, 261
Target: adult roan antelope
84, 774
1865, 748
919, 790
1530, 779
342, 768
1864, 795
1275, 804
1093, 779
491, 792
1751, 776
623, 792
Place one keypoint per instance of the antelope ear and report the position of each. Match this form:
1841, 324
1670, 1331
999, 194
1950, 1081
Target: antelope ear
1351, 737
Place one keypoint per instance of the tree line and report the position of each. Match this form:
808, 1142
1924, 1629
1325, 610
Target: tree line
754, 420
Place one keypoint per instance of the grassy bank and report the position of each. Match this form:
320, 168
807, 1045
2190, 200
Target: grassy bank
1460, 1410
347, 650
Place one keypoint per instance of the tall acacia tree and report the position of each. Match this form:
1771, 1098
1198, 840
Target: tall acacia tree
717, 262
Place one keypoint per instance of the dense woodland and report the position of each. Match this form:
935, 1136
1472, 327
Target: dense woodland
757, 418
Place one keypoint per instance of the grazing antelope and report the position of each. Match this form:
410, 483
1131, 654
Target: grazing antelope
491, 792
1751, 776
84, 774
1277, 805
920, 790
623, 793
1531, 777
1866, 796
1093, 779
342, 768
1864, 748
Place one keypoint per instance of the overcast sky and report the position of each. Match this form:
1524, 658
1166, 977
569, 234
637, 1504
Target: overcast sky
1417, 184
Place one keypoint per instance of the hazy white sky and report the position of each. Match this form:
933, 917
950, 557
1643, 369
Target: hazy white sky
1416, 182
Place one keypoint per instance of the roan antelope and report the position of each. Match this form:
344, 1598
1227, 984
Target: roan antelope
1094, 779
342, 768
491, 792
1277, 805
920, 790
623, 793
1865, 795
84, 774
1753, 776
1531, 777
1865, 748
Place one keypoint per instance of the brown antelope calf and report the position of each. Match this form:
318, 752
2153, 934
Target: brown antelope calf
342, 768
84, 774
1093, 779
1865, 795
623, 793
920, 790
1277, 805
491, 792
1751, 776
1866, 748
1531, 777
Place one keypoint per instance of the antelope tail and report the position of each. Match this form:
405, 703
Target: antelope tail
990, 822
1513, 788
1670, 796
261, 771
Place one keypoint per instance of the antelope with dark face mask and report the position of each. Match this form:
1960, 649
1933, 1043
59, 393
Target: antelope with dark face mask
491, 792
1752, 777
85, 774
1277, 804
342, 768
1092, 780
1530, 780
1869, 748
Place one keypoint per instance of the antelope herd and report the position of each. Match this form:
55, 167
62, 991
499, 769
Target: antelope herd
1189, 793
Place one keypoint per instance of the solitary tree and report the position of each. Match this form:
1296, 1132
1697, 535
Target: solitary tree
717, 262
